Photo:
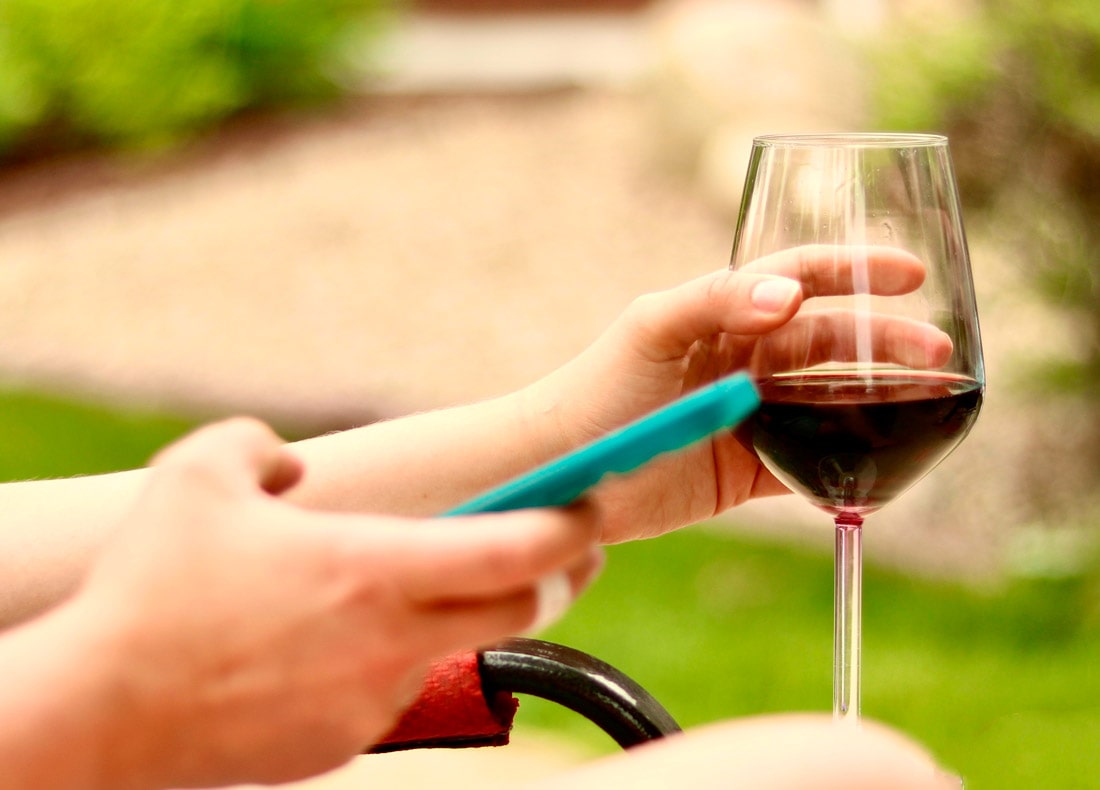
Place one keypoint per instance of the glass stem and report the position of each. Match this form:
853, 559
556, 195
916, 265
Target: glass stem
848, 584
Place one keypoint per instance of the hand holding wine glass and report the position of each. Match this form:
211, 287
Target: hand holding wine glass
879, 375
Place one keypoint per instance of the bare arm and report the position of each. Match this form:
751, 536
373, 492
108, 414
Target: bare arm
52, 530
418, 465
424, 463
664, 345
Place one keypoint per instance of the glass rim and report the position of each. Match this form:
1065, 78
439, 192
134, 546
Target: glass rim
851, 140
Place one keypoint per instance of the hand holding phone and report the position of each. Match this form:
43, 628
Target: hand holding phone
718, 406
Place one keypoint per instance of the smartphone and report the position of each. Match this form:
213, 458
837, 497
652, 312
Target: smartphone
715, 407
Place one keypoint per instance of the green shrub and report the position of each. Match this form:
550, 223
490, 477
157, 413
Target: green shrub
1016, 84
1039, 62
147, 72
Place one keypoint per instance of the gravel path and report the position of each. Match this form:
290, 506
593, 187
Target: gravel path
398, 254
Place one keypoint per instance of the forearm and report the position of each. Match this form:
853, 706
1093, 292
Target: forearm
424, 463
52, 531
416, 465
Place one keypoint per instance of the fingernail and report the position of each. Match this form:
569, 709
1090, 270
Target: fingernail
773, 295
553, 595
599, 559
596, 560
950, 779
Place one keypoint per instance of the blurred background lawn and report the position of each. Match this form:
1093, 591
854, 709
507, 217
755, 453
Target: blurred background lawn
982, 611
1001, 685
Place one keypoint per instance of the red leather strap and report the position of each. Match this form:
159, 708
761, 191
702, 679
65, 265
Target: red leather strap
452, 711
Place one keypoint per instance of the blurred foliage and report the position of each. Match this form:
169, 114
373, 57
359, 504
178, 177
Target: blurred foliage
149, 72
1016, 84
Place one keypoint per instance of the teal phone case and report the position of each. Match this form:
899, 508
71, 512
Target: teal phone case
718, 406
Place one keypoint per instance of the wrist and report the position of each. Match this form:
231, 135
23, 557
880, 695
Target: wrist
67, 720
541, 417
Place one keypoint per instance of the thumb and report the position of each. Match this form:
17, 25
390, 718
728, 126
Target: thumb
669, 322
236, 454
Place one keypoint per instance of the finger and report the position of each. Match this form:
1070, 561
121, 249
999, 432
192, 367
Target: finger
553, 595
456, 625
233, 454
664, 325
838, 336
825, 269
465, 558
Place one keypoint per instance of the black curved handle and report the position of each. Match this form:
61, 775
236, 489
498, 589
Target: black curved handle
596, 690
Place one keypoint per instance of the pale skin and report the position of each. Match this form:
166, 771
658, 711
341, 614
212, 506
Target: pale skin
149, 647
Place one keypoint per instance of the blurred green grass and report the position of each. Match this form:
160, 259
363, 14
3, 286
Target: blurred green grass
1001, 684
43, 436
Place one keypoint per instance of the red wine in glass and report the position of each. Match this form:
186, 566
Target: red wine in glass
850, 443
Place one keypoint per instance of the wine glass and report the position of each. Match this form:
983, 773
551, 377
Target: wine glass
879, 375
